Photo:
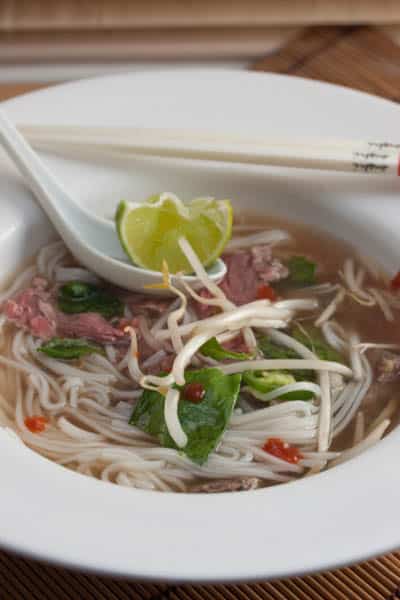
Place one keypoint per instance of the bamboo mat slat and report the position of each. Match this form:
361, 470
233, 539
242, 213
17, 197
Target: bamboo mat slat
24, 579
9, 90
122, 14
361, 58
126, 45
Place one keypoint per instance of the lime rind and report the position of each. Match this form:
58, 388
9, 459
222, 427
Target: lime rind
149, 232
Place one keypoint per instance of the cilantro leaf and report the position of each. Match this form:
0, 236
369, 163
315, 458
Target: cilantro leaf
301, 271
311, 337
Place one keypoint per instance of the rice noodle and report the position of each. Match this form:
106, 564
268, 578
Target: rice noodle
363, 346
391, 298
286, 364
359, 428
319, 289
161, 321
387, 413
150, 339
356, 392
332, 307
76, 432
371, 439
154, 360
88, 403
323, 379
75, 274
355, 356
45, 254
354, 285
382, 303
334, 335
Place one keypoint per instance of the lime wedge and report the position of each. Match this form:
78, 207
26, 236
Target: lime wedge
149, 232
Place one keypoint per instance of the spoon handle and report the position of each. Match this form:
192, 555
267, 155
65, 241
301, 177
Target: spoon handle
70, 220
34, 171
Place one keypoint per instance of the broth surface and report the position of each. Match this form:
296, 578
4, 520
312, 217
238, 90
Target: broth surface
21, 393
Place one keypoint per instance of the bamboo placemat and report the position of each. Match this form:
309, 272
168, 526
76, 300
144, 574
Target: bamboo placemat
361, 58
122, 14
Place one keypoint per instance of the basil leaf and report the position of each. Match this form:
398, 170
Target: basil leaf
68, 349
267, 381
312, 338
301, 271
271, 350
78, 297
213, 349
203, 422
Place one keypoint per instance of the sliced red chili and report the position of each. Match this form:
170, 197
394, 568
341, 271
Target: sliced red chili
395, 283
266, 292
36, 424
283, 450
194, 392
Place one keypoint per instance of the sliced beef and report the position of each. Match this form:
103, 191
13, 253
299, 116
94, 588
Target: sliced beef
388, 367
246, 270
35, 309
269, 269
91, 326
227, 485
204, 310
241, 280
236, 344
147, 305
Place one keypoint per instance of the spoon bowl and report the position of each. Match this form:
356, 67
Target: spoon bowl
91, 240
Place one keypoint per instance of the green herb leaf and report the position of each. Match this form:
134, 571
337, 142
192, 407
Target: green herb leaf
68, 349
213, 349
203, 422
301, 271
312, 338
79, 297
271, 350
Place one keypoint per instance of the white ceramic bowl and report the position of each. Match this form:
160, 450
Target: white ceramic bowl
344, 515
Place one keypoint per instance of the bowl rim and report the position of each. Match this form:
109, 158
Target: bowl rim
167, 511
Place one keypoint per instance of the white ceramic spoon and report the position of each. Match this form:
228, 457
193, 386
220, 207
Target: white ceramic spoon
92, 240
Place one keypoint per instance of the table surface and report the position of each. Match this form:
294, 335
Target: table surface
369, 61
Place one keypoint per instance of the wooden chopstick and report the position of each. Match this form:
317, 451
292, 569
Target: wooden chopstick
373, 157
